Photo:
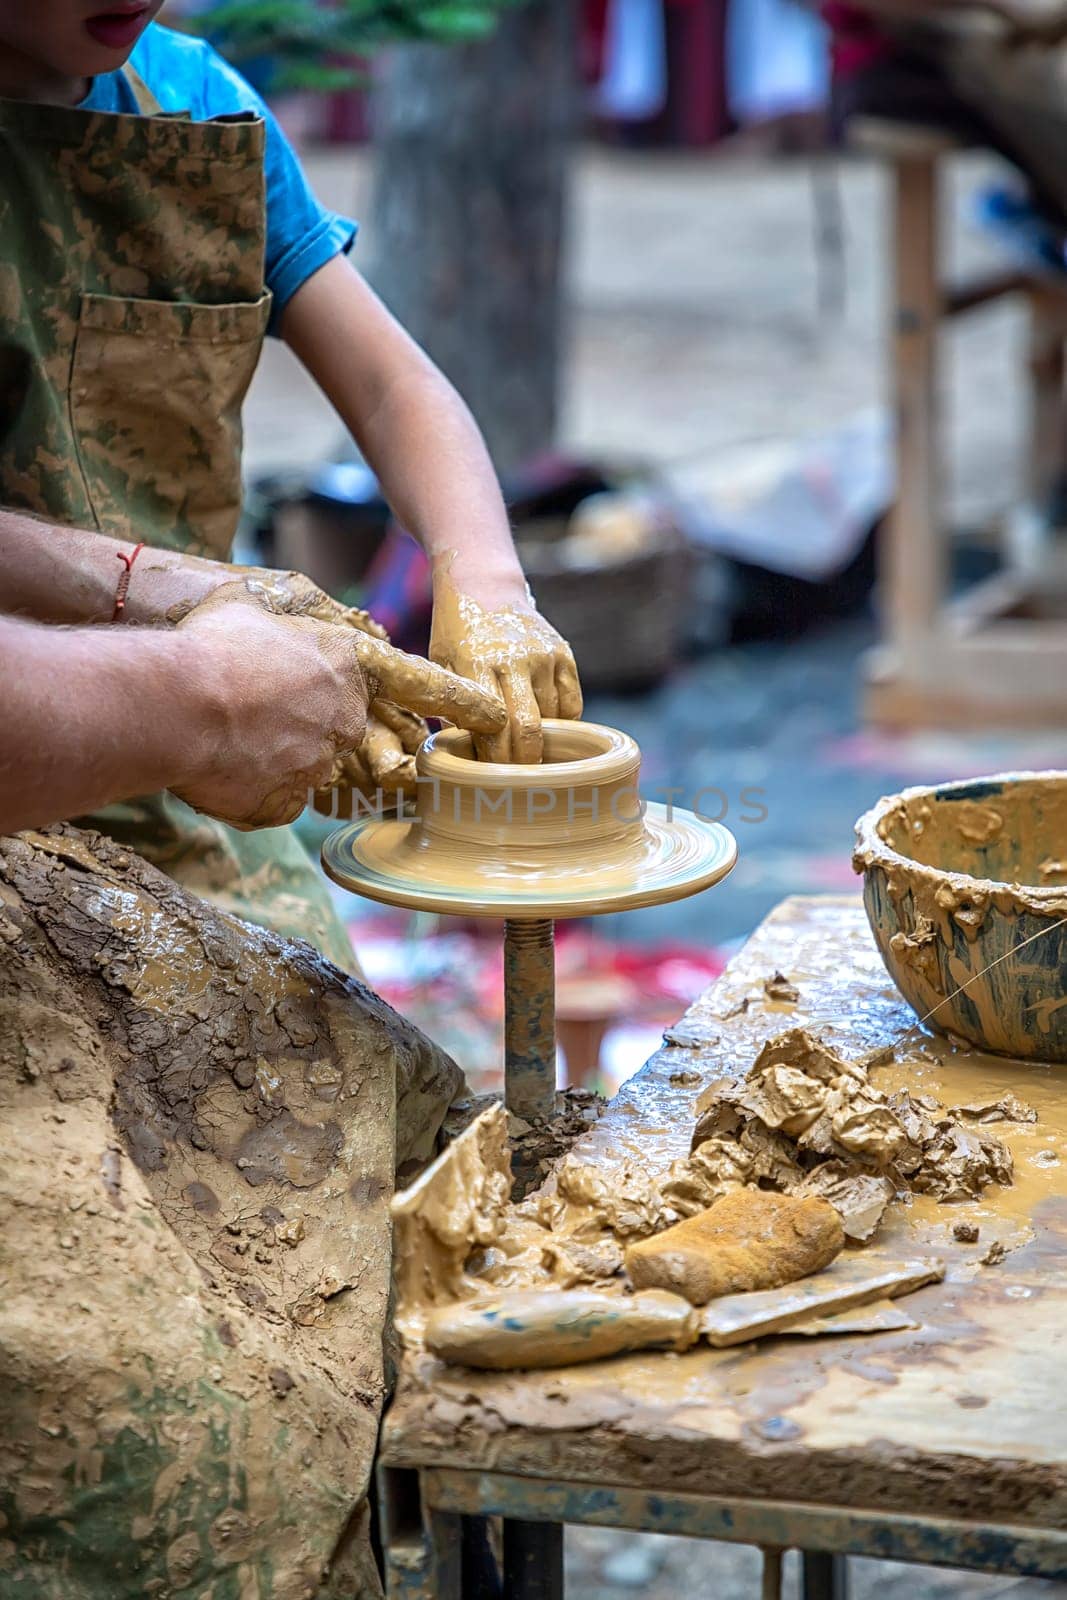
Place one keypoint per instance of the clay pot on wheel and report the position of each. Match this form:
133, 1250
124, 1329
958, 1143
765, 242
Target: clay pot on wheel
965, 887
567, 838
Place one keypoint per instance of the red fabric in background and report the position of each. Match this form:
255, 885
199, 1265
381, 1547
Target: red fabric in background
593, 27
857, 41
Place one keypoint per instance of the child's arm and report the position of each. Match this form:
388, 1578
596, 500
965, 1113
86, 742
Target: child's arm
432, 463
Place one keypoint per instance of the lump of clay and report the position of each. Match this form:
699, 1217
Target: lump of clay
573, 1265
753, 1155
750, 1239
859, 1198
586, 1202
805, 1121
1008, 1108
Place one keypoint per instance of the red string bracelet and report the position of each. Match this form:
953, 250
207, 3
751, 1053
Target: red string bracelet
124, 581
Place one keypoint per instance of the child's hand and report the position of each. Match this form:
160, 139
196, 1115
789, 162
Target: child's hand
504, 644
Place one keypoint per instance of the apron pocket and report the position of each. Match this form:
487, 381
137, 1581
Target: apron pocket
155, 397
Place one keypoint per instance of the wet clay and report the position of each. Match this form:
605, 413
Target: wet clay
959, 1414
453, 1222
749, 1239
200, 1139
536, 1144
967, 901
805, 1121
457, 1205
570, 837
516, 655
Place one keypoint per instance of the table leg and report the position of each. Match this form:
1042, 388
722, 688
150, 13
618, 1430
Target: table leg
481, 1576
444, 1549
823, 1577
533, 1560
771, 1586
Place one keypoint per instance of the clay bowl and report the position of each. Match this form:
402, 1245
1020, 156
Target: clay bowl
965, 887
566, 838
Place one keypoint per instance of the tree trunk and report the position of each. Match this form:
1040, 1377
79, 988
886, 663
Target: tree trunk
468, 213
194, 1213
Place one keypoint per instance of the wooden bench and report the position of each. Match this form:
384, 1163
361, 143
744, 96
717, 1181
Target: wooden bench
998, 655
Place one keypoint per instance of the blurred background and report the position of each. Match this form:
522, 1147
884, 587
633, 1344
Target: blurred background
639, 238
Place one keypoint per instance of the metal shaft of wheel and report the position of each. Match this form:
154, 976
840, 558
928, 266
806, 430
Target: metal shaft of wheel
530, 1018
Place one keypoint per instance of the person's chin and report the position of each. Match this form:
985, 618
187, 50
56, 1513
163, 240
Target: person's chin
110, 36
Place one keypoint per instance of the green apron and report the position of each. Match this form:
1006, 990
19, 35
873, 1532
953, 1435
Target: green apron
132, 314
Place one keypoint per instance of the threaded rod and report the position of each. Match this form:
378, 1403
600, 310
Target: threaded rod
530, 1018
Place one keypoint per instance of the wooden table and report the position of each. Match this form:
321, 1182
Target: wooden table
944, 1443
997, 654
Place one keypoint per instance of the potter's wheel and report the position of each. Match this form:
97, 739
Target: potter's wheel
566, 838
569, 837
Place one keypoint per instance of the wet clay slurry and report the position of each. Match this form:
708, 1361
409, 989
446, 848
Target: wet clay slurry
966, 889
566, 838
961, 1416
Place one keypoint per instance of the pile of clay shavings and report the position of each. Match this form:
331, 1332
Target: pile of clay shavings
803, 1121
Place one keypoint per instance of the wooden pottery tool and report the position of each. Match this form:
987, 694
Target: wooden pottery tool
535, 1328
965, 887
531, 843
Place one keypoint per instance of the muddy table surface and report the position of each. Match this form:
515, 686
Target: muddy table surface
963, 1416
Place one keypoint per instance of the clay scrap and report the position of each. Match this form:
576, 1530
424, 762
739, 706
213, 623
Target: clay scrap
483, 1282
455, 1207
805, 1121
1008, 1108
779, 987
750, 1239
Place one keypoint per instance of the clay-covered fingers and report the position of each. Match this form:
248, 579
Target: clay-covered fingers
568, 688
410, 729
427, 689
524, 716
349, 776
391, 766
282, 697
362, 621
543, 679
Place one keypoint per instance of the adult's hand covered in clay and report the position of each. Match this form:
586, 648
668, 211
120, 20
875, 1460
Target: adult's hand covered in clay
403, 689
290, 697
507, 647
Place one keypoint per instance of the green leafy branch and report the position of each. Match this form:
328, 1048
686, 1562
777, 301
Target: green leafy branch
323, 46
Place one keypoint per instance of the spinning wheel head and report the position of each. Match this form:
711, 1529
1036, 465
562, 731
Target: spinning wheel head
569, 837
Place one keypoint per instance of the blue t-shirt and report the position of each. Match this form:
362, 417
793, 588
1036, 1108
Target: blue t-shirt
186, 74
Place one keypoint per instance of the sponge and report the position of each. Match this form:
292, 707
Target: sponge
750, 1239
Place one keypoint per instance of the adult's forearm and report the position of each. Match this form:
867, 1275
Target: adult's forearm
92, 715
57, 574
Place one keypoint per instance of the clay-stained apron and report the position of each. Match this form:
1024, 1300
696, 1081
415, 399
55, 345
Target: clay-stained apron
198, 1159
132, 315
